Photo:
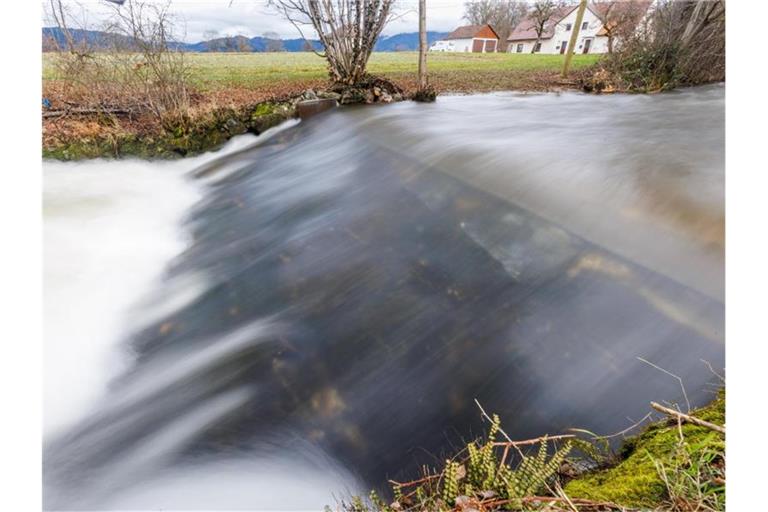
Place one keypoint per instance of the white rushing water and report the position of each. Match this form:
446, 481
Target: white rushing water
110, 230
110, 227
353, 284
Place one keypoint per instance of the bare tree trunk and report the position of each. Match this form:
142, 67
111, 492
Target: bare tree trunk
574, 37
347, 29
422, 44
538, 40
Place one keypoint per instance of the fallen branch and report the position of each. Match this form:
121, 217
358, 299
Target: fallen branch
580, 502
86, 111
491, 419
536, 440
687, 418
414, 482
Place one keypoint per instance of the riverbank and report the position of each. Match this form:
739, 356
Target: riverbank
235, 93
671, 465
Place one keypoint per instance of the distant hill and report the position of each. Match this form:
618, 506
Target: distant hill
53, 37
408, 41
398, 42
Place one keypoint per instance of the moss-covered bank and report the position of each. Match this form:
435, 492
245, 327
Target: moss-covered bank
101, 135
185, 136
668, 466
636, 481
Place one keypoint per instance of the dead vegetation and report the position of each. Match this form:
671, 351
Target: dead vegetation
132, 72
681, 42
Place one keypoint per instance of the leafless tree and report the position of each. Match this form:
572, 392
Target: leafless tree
210, 40
502, 15
680, 41
137, 68
273, 42
63, 19
541, 15
620, 17
144, 56
230, 43
243, 45
348, 30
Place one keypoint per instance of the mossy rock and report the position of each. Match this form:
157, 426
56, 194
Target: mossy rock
635, 482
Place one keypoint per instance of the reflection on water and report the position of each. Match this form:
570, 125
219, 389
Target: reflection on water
360, 278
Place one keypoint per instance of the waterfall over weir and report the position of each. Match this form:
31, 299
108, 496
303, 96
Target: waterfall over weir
308, 314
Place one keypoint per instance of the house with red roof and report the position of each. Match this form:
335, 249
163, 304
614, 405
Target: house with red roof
598, 33
469, 38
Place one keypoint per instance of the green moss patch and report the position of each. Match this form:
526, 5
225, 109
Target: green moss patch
182, 137
635, 480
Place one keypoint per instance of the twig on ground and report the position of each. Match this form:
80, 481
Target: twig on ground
414, 482
85, 111
722, 378
536, 440
616, 434
687, 418
491, 420
685, 395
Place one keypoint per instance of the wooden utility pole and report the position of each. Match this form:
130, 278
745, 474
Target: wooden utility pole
422, 45
574, 37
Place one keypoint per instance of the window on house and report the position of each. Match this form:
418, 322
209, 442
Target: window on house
585, 25
537, 48
519, 48
568, 27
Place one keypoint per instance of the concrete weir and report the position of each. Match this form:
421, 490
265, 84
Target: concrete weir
309, 108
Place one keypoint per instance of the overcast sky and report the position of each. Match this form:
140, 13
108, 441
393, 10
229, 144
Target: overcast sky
253, 18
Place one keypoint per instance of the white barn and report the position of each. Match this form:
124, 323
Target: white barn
593, 34
470, 38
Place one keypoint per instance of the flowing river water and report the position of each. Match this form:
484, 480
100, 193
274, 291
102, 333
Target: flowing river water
308, 313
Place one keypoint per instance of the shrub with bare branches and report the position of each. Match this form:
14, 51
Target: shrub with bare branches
502, 15
681, 42
133, 69
347, 29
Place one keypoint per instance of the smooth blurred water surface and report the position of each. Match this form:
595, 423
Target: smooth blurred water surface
319, 311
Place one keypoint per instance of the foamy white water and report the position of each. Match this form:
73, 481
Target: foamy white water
109, 230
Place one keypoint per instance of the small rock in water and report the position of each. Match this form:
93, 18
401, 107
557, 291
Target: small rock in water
329, 95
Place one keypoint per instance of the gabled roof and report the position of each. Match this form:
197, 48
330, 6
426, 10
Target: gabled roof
470, 31
526, 29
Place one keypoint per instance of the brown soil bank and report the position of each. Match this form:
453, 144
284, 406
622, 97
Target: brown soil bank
72, 131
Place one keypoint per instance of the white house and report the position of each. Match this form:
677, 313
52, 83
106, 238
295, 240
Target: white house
593, 33
470, 38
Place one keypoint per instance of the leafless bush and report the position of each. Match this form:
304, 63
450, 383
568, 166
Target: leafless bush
143, 59
620, 18
134, 68
74, 57
502, 15
682, 42
348, 30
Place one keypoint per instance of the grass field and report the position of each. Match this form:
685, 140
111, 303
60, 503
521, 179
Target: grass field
448, 71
